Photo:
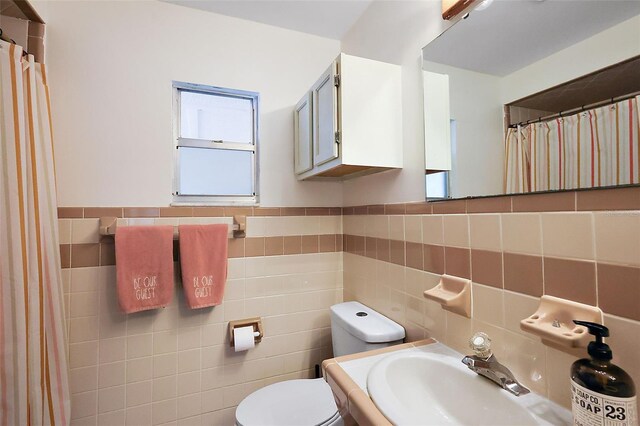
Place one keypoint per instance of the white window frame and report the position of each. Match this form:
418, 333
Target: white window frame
211, 200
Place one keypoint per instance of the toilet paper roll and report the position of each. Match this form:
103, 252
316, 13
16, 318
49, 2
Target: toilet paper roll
243, 338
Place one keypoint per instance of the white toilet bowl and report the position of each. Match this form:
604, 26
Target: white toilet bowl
309, 402
290, 403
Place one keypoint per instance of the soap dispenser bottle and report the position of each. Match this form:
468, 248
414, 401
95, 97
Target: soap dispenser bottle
602, 394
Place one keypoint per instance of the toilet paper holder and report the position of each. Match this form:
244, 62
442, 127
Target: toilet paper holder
256, 323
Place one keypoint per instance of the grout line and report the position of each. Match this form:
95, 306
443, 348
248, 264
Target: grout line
98, 344
542, 251
595, 255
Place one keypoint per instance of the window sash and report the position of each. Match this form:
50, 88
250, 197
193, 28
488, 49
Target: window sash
218, 196
251, 99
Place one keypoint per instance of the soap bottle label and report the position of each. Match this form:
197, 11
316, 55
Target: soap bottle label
594, 409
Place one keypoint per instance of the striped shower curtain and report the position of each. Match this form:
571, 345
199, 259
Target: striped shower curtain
33, 361
517, 162
593, 148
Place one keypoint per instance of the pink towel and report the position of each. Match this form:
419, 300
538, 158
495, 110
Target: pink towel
203, 259
144, 266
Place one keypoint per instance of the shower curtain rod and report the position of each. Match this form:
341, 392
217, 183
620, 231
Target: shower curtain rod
7, 39
578, 109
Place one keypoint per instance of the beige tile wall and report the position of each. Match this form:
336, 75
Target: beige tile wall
593, 257
174, 365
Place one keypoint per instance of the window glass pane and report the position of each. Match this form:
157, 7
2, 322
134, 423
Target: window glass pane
216, 117
438, 185
215, 172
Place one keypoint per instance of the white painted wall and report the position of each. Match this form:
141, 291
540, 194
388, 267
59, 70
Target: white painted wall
113, 148
611, 46
395, 32
437, 121
110, 68
479, 153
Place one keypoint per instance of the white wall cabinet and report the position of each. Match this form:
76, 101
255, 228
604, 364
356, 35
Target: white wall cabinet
350, 122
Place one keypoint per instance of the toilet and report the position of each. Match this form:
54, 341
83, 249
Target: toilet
354, 328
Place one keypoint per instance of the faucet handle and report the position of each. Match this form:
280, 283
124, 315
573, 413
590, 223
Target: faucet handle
480, 343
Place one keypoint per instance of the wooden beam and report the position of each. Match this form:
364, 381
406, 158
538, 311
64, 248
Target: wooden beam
451, 8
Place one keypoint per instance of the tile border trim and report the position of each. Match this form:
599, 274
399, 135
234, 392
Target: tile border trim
85, 255
596, 199
357, 245
172, 212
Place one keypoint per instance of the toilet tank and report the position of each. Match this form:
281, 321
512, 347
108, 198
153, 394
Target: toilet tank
358, 328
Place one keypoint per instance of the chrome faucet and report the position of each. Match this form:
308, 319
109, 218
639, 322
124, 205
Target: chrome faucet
484, 363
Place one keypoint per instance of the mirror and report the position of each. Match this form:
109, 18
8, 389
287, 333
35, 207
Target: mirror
480, 74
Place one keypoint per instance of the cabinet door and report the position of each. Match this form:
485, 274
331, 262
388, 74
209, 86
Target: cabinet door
303, 134
325, 117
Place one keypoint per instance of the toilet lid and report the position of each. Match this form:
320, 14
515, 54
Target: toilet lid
288, 403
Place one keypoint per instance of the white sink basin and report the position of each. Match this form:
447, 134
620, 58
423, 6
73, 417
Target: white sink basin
418, 387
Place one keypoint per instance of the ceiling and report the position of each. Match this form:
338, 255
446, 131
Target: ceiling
509, 35
325, 18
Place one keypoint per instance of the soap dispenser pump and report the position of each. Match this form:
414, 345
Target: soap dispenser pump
601, 393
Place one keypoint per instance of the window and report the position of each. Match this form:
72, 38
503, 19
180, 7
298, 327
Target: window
216, 133
438, 185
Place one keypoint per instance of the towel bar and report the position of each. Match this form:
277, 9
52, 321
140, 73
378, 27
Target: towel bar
109, 225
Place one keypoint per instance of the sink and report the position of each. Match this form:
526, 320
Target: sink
432, 387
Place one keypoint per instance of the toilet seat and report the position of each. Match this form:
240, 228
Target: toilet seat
306, 402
